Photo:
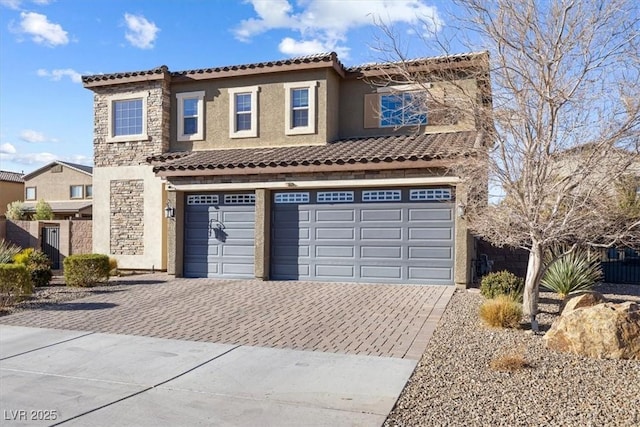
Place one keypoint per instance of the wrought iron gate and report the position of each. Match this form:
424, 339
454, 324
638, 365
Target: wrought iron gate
51, 245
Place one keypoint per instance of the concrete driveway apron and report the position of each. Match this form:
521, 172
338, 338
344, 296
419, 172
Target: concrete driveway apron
229, 353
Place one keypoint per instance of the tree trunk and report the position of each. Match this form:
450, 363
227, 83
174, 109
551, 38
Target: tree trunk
532, 284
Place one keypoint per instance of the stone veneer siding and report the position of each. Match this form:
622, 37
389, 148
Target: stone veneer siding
81, 236
127, 217
132, 152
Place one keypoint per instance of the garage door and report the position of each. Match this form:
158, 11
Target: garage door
378, 235
219, 235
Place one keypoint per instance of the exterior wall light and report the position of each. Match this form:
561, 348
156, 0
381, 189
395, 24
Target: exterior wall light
169, 211
461, 210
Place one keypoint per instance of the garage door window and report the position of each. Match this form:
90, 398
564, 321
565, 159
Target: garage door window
335, 196
381, 196
202, 199
430, 194
292, 198
239, 199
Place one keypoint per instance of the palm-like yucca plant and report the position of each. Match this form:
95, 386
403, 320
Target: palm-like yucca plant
8, 251
576, 271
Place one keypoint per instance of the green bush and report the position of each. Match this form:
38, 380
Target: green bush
38, 265
575, 271
14, 283
502, 311
86, 270
502, 283
43, 211
7, 251
15, 210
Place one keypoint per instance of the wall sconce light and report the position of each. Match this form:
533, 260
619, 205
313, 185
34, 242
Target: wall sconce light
169, 211
461, 210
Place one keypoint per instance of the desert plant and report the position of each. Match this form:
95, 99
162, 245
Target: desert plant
14, 284
576, 270
86, 270
7, 251
509, 361
43, 211
113, 266
38, 265
502, 311
502, 283
15, 210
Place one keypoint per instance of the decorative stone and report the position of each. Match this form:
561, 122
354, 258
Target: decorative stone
584, 299
609, 331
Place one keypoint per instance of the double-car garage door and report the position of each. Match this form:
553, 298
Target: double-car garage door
370, 235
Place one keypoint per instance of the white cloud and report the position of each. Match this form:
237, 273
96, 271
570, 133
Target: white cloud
30, 135
57, 74
29, 158
41, 30
11, 4
140, 32
7, 148
325, 23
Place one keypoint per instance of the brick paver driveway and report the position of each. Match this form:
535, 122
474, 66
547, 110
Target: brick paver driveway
381, 320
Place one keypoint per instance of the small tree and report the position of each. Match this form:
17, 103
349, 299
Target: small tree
43, 211
15, 210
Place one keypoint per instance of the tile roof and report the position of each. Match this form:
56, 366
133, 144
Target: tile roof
61, 206
80, 168
343, 152
442, 59
11, 176
84, 168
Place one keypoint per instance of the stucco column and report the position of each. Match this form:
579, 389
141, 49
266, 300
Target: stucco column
464, 243
262, 234
171, 224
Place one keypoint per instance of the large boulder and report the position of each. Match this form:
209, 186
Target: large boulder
583, 299
610, 331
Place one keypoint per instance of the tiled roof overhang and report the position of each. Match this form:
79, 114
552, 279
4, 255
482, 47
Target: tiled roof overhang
353, 154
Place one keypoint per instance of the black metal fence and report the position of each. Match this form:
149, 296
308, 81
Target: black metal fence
621, 266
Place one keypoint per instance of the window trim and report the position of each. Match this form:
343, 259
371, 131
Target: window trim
112, 99
311, 86
249, 133
35, 193
181, 97
71, 187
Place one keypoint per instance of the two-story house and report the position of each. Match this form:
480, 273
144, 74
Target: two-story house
67, 187
11, 189
291, 169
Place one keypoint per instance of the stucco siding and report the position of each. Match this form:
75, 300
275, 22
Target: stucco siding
52, 186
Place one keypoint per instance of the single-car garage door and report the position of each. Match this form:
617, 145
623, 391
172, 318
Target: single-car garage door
377, 235
219, 235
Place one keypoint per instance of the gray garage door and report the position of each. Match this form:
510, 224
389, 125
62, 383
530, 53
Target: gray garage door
219, 235
378, 235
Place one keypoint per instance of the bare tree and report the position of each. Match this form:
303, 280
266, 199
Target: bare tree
563, 127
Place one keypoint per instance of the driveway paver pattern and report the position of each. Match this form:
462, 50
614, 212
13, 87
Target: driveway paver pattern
365, 319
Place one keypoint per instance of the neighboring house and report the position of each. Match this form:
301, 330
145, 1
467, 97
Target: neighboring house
67, 187
283, 170
11, 189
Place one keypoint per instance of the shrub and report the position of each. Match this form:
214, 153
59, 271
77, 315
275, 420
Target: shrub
113, 264
38, 265
14, 283
7, 251
43, 211
86, 270
502, 283
575, 271
502, 311
15, 210
509, 361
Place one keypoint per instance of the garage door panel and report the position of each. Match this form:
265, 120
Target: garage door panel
290, 215
347, 215
230, 268
427, 273
380, 215
381, 252
238, 217
237, 250
371, 233
335, 251
429, 214
290, 251
334, 233
333, 271
290, 271
419, 252
420, 233
380, 272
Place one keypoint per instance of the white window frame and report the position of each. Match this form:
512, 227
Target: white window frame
88, 194
71, 187
291, 198
144, 95
26, 193
335, 197
239, 199
311, 86
181, 97
382, 196
430, 194
203, 199
249, 133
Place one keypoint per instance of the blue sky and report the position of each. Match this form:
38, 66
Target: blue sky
46, 45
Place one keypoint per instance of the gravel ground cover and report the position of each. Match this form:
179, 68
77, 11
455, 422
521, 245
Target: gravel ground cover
453, 384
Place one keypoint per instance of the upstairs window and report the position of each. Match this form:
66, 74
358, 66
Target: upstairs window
88, 191
402, 109
128, 117
30, 193
243, 112
76, 191
190, 116
300, 108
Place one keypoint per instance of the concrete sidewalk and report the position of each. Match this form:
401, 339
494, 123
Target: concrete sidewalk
102, 379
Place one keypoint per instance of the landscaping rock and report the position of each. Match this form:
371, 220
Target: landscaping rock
584, 299
610, 331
